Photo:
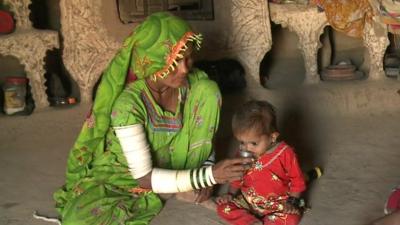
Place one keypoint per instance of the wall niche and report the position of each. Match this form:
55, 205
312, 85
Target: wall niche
340, 57
11, 66
283, 65
45, 15
392, 57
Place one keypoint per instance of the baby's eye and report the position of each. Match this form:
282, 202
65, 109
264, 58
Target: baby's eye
253, 143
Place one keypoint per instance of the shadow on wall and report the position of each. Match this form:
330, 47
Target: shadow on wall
227, 73
298, 130
225, 143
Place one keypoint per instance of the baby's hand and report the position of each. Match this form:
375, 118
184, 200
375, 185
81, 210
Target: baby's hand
223, 199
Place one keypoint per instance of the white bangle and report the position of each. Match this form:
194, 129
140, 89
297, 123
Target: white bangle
173, 181
210, 176
193, 181
135, 148
183, 181
163, 181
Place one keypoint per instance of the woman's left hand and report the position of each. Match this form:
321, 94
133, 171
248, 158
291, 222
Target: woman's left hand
203, 194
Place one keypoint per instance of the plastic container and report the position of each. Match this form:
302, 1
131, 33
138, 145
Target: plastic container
14, 94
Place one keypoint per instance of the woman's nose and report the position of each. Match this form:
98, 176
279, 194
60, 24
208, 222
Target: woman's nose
183, 69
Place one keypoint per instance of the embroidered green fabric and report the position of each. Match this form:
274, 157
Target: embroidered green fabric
99, 188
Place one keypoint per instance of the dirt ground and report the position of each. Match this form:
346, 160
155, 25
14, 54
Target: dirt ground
359, 153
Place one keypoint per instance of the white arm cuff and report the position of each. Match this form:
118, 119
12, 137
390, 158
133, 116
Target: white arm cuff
135, 148
173, 181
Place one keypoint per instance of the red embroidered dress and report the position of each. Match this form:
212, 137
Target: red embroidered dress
264, 189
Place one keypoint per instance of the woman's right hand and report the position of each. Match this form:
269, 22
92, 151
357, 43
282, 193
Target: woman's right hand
229, 170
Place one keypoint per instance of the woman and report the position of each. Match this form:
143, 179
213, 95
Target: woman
152, 136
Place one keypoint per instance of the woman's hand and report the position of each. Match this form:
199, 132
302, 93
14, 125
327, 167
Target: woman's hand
229, 170
203, 194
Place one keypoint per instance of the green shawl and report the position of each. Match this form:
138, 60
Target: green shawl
151, 50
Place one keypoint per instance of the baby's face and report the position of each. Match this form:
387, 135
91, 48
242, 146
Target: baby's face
254, 142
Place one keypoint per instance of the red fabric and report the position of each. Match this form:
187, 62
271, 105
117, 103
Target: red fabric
6, 22
239, 216
130, 77
235, 215
285, 167
393, 202
266, 184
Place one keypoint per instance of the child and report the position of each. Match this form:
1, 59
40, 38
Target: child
270, 191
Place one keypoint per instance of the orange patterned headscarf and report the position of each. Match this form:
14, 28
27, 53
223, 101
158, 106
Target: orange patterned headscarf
347, 16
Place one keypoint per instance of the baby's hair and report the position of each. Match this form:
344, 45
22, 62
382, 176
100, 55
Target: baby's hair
258, 116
